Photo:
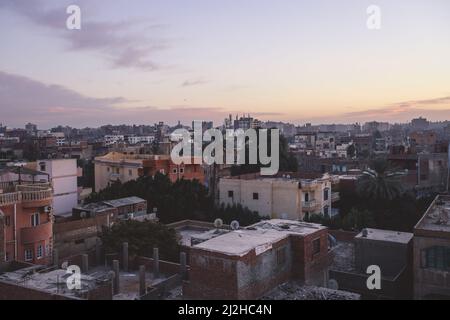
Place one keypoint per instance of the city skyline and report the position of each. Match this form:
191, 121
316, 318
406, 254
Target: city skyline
295, 62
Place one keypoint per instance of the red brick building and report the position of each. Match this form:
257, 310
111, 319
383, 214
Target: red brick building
247, 263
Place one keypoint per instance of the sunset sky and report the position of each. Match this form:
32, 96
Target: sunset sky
299, 61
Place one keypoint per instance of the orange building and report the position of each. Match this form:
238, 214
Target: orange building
27, 222
124, 167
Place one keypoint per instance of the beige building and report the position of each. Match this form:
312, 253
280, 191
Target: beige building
116, 166
280, 198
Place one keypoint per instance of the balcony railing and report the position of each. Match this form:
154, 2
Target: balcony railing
308, 205
27, 193
335, 196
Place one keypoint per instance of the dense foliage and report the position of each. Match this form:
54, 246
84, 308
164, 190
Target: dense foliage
184, 199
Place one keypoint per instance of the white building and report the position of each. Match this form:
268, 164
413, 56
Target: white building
63, 174
279, 198
140, 139
112, 139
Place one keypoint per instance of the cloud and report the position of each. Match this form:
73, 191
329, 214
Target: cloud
23, 99
123, 44
397, 112
197, 82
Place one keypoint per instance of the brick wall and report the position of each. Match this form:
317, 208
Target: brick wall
2, 237
10, 291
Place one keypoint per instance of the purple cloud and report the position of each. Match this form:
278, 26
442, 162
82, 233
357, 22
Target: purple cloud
124, 44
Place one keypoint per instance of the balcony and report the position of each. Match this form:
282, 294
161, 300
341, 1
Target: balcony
33, 195
35, 234
335, 196
309, 205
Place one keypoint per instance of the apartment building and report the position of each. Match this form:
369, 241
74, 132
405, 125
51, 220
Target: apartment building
280, 198
432, 251
63, 174
247, 263
26, 222
124, 167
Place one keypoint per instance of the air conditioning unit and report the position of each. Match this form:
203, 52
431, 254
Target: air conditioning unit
47, 209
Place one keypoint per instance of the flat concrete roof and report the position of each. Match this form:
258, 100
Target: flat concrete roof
386, 235
437, 216
259, 236
124, 201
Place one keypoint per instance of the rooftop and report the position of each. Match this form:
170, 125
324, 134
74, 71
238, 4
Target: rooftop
124, 202
437, 217
386, 235
259, 236
53, 281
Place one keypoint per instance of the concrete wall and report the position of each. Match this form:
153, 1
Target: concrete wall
429, 282
390, 256
275, 198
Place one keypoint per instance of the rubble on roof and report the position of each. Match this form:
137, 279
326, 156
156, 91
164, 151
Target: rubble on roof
295, 291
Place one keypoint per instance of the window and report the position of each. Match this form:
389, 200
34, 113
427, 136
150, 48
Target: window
35, 219
42, 166
255, 196
28, 255
79, 241
6, 256
47, 250
326, 194
438, 258
117, 170
181, 170
130, 172
316, 246
230, 194
175, 171
7, 221
39, 252
281, 256
108, 169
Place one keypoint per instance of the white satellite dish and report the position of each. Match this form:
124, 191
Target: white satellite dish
234, 225
218, 223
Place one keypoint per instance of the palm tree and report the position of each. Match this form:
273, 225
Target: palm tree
380, 181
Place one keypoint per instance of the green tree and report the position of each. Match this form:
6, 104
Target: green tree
358, 219
380, 182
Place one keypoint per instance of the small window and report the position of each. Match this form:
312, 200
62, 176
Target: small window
35, 219
281, 256
7, 221
39, 252
255, 196
316, 246
7, 256
326, 194
47, 250
230, 194
117, 170
175, 171
42, 166
130, 172
108, 169
181, 170
28, 255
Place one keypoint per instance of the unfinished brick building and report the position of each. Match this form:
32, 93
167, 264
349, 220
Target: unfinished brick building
247, 263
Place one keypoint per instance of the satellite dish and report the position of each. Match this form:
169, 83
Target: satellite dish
218, 223
234, 225
333, 284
